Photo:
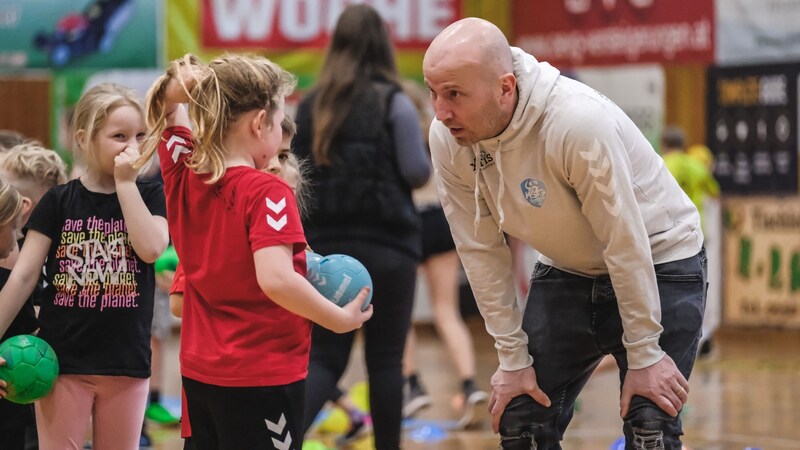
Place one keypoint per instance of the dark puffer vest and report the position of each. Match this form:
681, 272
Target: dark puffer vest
361, 195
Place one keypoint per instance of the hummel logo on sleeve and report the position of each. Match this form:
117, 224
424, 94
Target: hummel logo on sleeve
174, 144
276, 208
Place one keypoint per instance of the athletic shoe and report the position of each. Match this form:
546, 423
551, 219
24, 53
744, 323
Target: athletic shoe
417, 400
159, 414
359, 427
473, 398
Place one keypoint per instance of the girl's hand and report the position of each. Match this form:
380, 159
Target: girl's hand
123, 165
356, 317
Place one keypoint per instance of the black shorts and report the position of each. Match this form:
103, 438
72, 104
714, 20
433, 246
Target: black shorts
234, 418
436, 237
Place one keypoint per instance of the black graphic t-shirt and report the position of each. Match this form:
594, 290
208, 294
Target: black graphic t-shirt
97, 308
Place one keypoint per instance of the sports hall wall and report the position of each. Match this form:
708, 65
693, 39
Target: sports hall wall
726, 71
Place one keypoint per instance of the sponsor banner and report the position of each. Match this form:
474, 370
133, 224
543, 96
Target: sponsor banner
763, 31
752, 128
79, 34
762, 262
568, 33
638, 90
289, 24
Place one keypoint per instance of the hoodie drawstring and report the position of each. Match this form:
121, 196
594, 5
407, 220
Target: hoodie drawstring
476, 192
501, 189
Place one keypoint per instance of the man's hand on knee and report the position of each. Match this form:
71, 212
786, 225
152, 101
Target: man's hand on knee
507, 385
662, 383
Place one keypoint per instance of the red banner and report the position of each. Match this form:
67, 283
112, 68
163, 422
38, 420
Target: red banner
291, 24
568, 33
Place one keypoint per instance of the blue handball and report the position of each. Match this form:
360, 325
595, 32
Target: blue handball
340, 278
312, 265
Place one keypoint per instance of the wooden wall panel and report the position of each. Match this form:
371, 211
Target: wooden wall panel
25, 106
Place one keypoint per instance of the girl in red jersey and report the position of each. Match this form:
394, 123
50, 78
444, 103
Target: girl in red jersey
248, 308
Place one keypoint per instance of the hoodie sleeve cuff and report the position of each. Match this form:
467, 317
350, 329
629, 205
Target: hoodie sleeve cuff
514, 359
644, 356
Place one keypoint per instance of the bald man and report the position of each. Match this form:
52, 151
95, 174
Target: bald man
520, 149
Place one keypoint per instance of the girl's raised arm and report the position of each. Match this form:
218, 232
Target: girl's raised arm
165, 105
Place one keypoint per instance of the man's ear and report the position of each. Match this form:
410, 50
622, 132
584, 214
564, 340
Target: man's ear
508, 85
258, 124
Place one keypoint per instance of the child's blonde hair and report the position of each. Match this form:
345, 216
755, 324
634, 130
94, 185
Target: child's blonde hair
93, 110
34, 163
10, 203
10, 138
226, 88
289, 129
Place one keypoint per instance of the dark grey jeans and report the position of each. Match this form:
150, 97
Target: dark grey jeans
572, 322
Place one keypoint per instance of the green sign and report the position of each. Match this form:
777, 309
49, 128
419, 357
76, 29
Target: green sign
79, 34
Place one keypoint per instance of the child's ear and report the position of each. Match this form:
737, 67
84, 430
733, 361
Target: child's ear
27, 208
258, 124
80, 138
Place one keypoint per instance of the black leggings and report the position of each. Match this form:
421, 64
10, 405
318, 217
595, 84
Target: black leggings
393, 277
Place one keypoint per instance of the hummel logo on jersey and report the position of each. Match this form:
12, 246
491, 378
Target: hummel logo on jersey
486, 161
276, 208
277, 428
176, 144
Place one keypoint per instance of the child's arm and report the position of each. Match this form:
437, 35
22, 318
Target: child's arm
24, 277
176, 304
289, 289
174, 88
147, 233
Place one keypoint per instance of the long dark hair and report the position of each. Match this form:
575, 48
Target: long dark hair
360, 52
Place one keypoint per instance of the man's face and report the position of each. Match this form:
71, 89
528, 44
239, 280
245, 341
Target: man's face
466, 101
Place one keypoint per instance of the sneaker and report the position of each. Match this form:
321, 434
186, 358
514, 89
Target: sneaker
359, 427
470, 410
417, 400
159, 414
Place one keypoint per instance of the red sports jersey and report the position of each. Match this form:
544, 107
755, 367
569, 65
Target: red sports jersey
178, 281
232, 333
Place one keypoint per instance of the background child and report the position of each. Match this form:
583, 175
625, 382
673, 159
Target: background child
14, 418
32, 170
244, 342
97, 238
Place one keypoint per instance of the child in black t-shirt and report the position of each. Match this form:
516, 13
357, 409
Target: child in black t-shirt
97, 238
32, 170
14, 418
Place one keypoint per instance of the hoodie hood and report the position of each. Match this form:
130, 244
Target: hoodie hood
535, 81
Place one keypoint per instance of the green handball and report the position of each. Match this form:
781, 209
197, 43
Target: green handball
30, 370
167, 261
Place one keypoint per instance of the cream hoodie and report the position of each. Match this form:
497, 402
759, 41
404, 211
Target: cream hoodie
574, 178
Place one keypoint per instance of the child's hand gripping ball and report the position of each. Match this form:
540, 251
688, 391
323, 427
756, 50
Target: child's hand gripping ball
30, 370
339, 278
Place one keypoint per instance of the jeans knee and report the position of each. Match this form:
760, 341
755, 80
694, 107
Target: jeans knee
650, 428
524, 426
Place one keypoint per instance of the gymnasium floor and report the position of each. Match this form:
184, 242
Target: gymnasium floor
746, 394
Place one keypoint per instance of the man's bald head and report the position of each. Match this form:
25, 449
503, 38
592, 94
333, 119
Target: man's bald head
470, 43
